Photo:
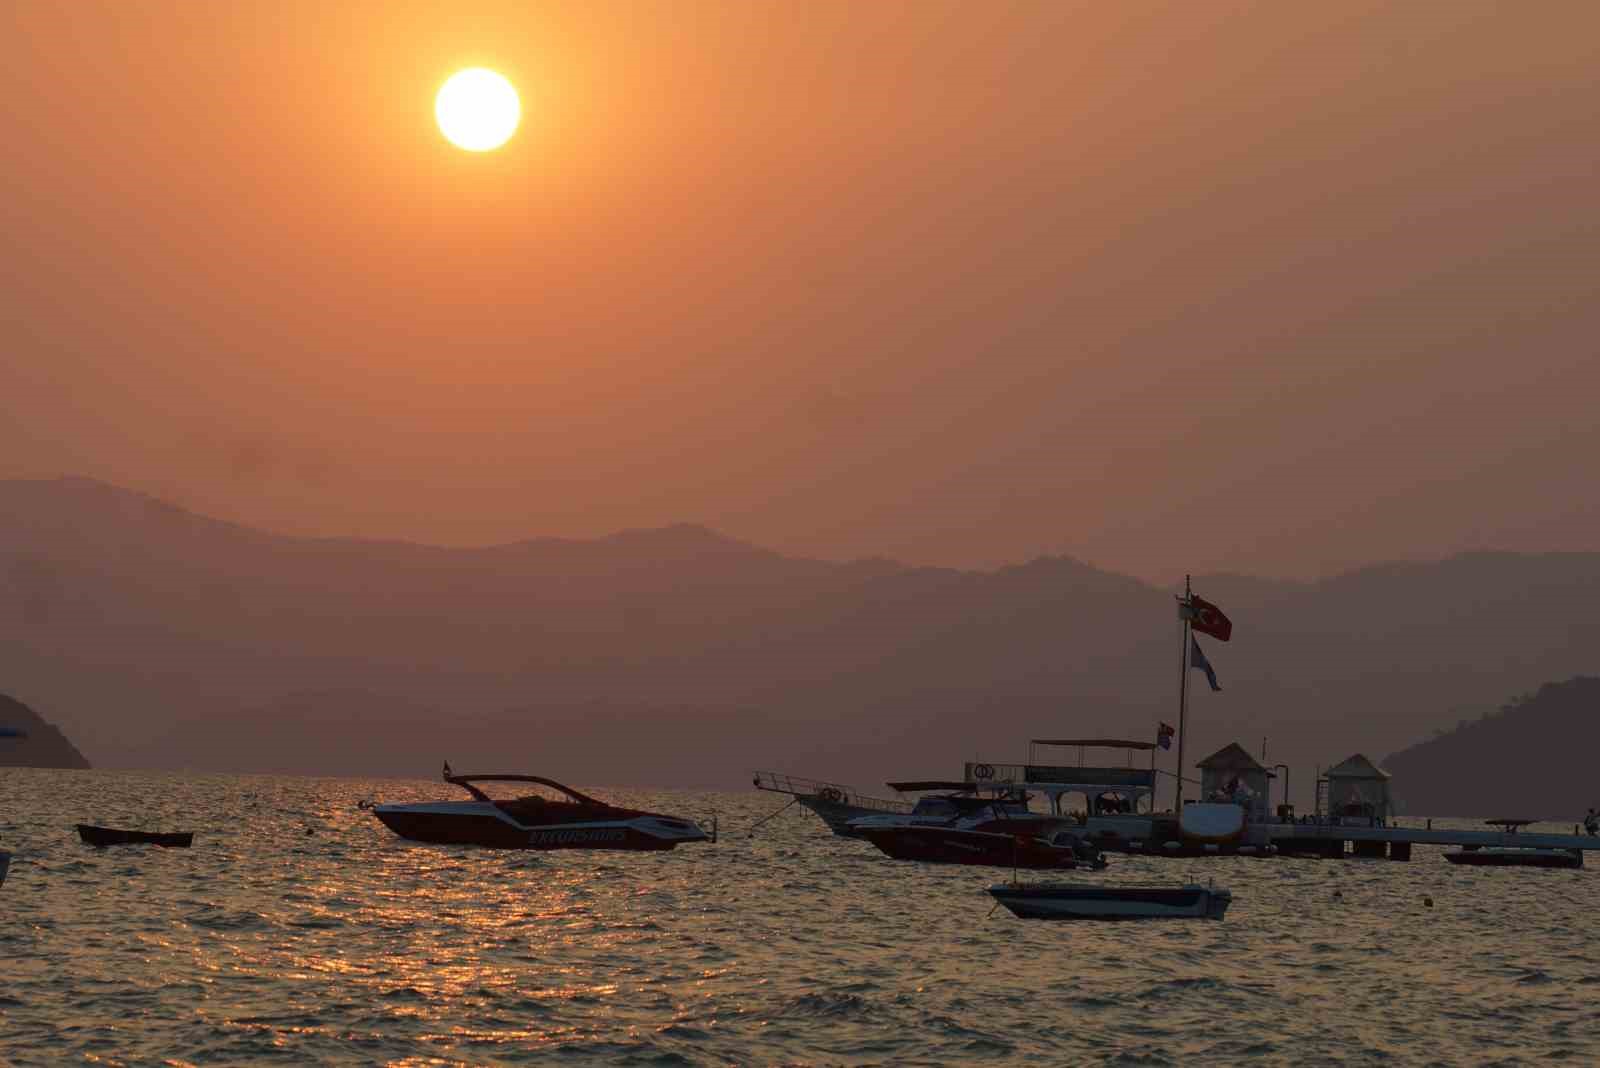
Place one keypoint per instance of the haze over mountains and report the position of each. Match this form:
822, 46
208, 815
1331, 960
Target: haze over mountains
155, 637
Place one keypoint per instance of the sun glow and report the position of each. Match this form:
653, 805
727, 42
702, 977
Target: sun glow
477, 110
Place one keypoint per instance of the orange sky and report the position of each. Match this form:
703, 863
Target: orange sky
1276, 288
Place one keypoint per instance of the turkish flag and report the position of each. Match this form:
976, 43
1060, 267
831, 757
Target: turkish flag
1207, 618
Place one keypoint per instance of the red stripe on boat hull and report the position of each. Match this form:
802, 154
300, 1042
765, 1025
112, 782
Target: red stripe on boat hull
494, 833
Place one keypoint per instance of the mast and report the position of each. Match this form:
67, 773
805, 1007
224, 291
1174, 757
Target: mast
1185, 613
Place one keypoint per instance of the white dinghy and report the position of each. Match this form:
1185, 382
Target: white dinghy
1092, 901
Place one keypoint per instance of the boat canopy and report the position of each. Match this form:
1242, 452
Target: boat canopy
933, 784
1060, 778
466, 781
1094, 743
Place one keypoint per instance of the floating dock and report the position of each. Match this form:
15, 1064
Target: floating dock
1159, 835
1122, 828
1332, 840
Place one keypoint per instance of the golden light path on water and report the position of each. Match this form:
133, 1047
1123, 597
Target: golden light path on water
268, 944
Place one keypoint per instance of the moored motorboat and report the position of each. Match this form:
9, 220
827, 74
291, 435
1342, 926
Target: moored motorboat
1093, 901
1515, 857
971, 824
573, 821
110, 836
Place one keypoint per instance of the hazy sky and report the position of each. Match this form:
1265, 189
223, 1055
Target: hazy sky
1274, 288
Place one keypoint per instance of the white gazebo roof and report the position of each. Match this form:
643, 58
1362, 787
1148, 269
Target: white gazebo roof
1231, 757
1356, 767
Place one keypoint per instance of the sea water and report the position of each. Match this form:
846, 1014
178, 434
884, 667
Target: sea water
299, 930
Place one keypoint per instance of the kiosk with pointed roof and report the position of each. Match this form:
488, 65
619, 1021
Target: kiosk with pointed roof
1358, 792
1232, 774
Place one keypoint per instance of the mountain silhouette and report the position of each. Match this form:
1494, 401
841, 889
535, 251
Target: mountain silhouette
38, 744
158, 637
1532, 758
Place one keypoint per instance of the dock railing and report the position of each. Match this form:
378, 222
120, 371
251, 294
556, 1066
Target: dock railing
983, 774
797, 786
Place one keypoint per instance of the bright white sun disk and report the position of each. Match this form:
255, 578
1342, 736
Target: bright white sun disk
477, 110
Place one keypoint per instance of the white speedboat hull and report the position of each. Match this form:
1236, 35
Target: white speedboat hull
1211, 822
488, 824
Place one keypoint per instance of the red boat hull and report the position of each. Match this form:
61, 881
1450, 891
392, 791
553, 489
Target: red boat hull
494, 833
944, 845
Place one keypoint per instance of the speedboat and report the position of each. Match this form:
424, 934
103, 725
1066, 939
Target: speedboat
1516, 857
571, 821
971, 824
1511, 854
1089, 901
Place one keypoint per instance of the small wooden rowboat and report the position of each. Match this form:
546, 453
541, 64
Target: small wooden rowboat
110, 836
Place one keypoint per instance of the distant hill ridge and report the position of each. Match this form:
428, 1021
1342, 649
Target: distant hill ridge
43, 745
676, 655
1535, 757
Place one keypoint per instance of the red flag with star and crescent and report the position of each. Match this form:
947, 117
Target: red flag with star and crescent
1207, 618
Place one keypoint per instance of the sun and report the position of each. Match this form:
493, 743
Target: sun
477, 109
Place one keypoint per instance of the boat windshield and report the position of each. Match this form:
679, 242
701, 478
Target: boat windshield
935, 808
944, 807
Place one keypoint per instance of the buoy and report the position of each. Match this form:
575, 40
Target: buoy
1338, 895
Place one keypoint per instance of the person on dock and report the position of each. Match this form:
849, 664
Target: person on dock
1591, 823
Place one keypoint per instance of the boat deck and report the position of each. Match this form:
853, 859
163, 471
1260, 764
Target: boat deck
829, 792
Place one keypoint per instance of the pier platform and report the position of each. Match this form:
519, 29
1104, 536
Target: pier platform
1159, 835
1288, 836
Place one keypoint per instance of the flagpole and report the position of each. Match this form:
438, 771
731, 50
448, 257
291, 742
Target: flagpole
1155, 777
1183, 691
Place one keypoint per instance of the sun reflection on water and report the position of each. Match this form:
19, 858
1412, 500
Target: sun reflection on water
351, 946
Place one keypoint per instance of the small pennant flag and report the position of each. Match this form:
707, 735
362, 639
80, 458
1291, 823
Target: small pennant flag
1164, 736
1197, 659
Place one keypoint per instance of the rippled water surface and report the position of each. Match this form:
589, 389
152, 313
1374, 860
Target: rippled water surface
299, 930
